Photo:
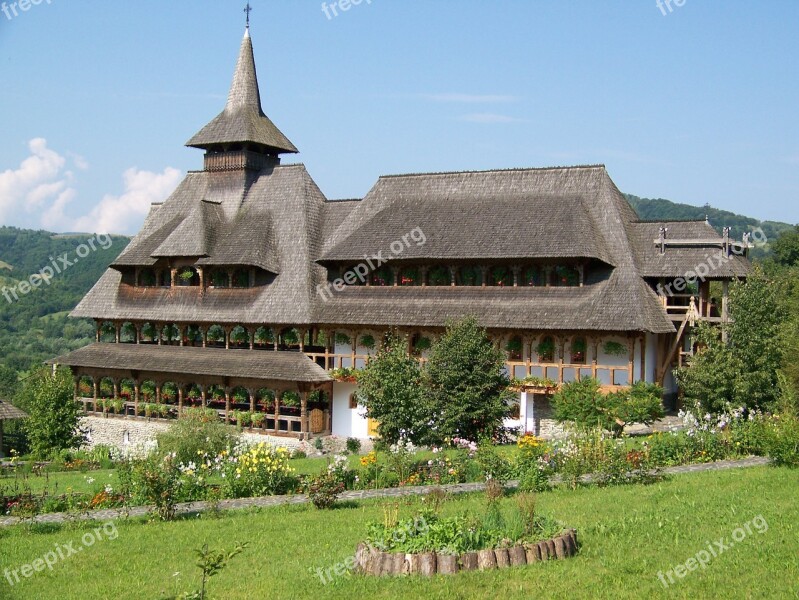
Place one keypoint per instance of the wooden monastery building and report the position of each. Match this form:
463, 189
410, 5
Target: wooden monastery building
249, 292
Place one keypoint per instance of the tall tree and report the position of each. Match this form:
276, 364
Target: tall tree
390, 387
466, 382
743, 371
53, 414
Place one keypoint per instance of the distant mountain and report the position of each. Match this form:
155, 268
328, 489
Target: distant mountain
33, 321
659, 209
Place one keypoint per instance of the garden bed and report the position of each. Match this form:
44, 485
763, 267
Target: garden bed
370, 561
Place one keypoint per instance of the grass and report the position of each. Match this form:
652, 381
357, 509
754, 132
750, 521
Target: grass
628, 534
58, 482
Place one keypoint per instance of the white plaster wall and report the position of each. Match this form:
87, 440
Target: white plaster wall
651, 357
348, 422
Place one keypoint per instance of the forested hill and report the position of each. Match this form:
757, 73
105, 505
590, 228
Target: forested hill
658, 209
33, 322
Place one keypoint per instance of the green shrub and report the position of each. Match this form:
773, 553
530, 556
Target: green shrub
324, 489
583, 403
195, 432
782, 441
353, 445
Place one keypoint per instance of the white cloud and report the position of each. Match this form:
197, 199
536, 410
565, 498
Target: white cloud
471, 98
116, 214
489, 118
38, 178
43, 186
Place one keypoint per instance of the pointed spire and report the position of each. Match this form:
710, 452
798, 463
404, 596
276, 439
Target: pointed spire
244, 89
243, 121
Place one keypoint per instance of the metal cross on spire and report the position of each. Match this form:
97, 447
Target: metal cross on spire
248, 10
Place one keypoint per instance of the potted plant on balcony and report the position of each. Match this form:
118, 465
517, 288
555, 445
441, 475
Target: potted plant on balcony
546, 350
615, 349
439, 276
368, 341
258, 419
578, 351
514, 348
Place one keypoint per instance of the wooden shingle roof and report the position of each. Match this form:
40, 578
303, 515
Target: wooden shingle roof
214, 362
9, 412
243, 120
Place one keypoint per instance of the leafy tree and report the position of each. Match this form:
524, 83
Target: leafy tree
584, 404
390, 388
466, 382
52, 423
743, 371
8, 383
785, 250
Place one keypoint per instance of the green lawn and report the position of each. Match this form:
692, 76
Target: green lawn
628, 534
58, 482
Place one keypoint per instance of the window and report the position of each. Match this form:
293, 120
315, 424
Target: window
353, 401
500, 277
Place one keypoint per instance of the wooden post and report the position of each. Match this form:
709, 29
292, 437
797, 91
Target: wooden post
631, 372
251, 333
594, 356
96, 386
227, 404
252, 392
180, 399
304, 415
98, 330
136, 393
117, 332
277, 410
138, 327
204, 394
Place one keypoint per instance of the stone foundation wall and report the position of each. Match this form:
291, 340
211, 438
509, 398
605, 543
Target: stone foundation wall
128, 433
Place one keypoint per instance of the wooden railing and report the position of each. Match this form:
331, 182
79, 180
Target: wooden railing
279, 424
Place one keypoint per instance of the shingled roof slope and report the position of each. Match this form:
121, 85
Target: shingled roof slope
215, 362
677, 261
278, 220
243, 120
523, 213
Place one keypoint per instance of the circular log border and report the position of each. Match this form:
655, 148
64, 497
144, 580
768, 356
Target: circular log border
370, 561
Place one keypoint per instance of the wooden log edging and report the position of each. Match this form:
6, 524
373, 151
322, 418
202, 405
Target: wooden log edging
370, 561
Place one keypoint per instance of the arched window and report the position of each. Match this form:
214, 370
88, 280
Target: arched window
382, 277
147, 278
469, 276
439, 276
500, 277
410, 276
566, 277
241, 278
533, 277
515, 348
219, 278
546, 350
579, 350
187, 277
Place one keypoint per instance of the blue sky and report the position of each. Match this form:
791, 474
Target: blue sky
696, 105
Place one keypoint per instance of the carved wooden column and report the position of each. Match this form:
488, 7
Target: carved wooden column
96, 390
204, 333
138, 327
594, 342
159, 333
98, 330
278, 396
117, 332
204, 394
516, 276
631, 375
251, 335
252, 393
453, 276
227, 404
136, 394
180, 399
304, 429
